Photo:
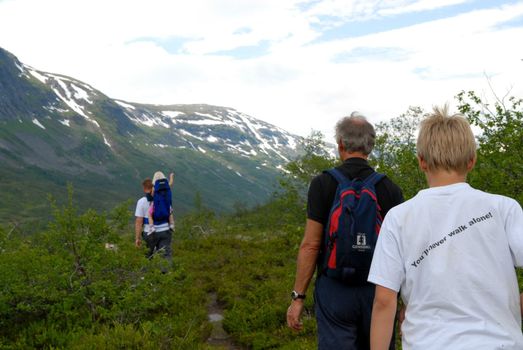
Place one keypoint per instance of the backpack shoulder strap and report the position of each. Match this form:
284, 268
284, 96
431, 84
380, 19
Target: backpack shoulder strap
338, 175
374, 178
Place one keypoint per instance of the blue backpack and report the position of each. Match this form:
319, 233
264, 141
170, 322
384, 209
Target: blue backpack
352, 229
162, 200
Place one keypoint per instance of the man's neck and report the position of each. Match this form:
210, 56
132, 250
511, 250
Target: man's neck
438, 178
346, 155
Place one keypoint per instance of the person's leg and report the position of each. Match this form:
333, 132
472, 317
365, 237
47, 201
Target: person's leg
150, 243
337, 315
365, 300
164, 244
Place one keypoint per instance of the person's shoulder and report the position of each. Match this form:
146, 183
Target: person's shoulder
322, 178
142, 201
389, 187
503, 202
405, 207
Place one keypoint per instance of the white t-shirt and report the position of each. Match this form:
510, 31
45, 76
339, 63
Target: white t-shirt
452, 251
142, 211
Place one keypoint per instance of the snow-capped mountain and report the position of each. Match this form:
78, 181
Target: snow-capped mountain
195, 126
57, 129
216, 128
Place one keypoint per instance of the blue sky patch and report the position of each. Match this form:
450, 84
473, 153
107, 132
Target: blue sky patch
307, 5
513, 23
357, 28
246, 52
360, 54
173, 45
428, 73
243, 30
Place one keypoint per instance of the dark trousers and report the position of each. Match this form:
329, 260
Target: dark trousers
343, 315
159, 243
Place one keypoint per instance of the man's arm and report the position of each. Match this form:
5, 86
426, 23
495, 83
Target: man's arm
382, 322
138, 225
306, 264
171, 179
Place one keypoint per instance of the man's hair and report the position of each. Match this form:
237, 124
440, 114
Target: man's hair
147, 184
355, 133
446, 142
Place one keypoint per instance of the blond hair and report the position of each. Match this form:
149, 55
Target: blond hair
158, 176
446, 142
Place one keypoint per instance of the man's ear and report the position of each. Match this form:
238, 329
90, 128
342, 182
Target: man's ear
341, 148
422, 164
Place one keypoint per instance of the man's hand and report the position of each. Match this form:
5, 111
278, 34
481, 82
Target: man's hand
138, 242
294, 314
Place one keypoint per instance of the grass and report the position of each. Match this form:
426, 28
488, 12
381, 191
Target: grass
247, 260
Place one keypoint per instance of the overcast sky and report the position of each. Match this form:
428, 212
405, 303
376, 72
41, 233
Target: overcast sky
299, 64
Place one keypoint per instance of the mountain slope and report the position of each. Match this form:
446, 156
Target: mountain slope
55, 129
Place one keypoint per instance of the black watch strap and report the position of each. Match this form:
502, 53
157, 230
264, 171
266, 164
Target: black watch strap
295, 295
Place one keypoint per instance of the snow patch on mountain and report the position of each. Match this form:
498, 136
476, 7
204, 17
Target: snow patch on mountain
81, 94
20, 68
185, 132
172, 114
125, 105
65, 122
36, 122
203, 122
106, 141
40, 77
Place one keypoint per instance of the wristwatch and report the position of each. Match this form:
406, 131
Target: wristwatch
295, 295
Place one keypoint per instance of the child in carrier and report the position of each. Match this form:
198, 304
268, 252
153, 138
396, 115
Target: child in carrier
161, 216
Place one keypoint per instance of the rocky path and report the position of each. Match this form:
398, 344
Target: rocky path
219, 337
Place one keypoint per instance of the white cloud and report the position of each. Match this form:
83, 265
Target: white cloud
162, 52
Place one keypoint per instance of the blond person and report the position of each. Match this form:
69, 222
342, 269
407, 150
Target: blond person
451, 250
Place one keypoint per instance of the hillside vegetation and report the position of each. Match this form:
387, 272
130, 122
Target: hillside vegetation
61, 288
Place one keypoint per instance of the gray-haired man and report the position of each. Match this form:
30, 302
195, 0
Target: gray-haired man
343, 312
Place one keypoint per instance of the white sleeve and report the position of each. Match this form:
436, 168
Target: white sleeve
139, 212
514, 230
387, 269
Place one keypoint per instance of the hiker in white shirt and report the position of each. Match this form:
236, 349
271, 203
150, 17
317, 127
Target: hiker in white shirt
451, 251
141, 226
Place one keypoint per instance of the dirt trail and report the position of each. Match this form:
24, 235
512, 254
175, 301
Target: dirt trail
219, 337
